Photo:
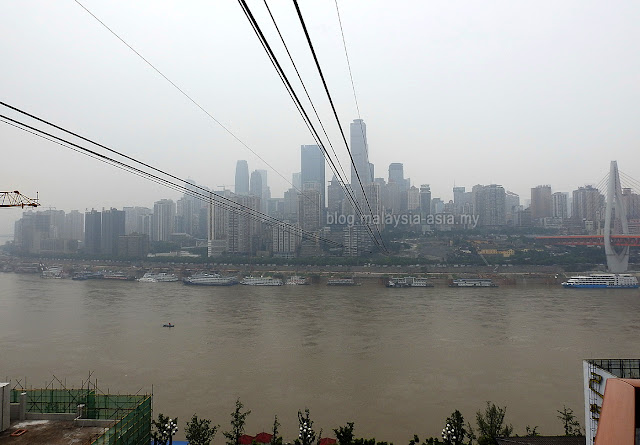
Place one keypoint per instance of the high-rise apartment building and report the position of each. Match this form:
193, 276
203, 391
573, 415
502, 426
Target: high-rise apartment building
489, 204
74, 225
312, 168
462, 201
310, 207
243, 229
413, 199
559, 207
163, 221
92, 232
587, 204
137, 220
541, 206
241, 187
112, 228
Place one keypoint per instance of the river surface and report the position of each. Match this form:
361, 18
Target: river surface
394, 361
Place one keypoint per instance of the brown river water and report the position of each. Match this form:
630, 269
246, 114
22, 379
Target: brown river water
394, 361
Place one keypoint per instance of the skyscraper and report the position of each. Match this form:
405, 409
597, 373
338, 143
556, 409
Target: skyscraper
112, 228
335, 196
242, 178
396, 173
310, 207
489, 204
92, 232
425, 198
360, 154
164, 212
559, 205
541, 202
312, 168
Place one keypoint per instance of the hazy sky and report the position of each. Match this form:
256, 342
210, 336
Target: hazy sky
518, 93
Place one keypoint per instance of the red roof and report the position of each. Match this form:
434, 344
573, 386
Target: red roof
245, 439
264, 438
327, 441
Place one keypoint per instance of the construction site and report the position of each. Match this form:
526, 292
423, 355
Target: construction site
61, 415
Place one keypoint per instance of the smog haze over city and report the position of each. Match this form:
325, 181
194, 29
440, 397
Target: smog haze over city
513, 93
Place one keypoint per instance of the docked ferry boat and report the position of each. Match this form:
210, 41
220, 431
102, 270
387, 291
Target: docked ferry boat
207, 279
296, 280
261, 281
408, 282
473, 282
603, 280
161, 277
342, 282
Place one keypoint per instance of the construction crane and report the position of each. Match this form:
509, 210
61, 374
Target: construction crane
16, 199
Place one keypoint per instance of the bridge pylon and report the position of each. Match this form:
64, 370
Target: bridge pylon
617, 259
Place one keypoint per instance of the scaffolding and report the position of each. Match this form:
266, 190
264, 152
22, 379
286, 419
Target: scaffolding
130, 413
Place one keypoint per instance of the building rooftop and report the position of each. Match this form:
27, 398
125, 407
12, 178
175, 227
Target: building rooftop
50, 432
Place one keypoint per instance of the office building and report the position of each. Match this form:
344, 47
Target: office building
312, 168
241, 187
360, 154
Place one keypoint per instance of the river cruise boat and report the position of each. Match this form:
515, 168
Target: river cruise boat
261, 281
81, 276
52, 272
208, 279
603, 280
409, 282
116, 276
296, 280
473, 282
161, 277
342, 282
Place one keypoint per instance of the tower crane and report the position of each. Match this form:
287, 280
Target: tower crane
16, 199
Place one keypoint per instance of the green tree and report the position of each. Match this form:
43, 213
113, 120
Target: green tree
454, 431
238, 419
570, 422
306, 436
163, 430
531, 432
276, 439
491, 424
344, 434
200, 431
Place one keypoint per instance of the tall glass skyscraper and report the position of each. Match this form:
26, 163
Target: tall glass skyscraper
312, 168
360, 153
242, 178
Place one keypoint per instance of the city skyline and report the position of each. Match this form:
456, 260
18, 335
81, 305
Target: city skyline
516, 94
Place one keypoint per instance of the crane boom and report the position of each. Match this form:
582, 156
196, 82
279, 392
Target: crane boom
16, 199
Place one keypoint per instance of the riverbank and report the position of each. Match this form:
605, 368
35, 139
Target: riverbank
440, 274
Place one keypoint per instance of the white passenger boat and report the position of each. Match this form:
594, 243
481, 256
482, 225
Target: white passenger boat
207, 279
473, 282
342, 282
603, 280
261, 281
296, 280
409, 282
161, 277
